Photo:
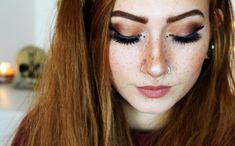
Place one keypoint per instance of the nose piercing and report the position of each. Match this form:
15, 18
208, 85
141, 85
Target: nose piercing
168, 70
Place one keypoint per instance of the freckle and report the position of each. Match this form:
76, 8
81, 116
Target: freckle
165, 50
166, 61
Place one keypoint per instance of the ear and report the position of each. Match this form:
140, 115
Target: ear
219, 16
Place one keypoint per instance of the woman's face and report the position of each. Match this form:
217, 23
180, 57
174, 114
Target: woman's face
157, 50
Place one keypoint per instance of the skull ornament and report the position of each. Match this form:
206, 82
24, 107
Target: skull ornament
29, 63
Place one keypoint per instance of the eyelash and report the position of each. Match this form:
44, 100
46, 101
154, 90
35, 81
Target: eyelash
130, 40
191, 38
126, 40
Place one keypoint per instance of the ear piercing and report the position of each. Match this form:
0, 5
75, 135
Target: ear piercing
211, 50
212, 46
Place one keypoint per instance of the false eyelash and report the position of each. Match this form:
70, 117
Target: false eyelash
193, 37
126, 40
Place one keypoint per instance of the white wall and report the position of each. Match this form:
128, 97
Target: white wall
24, 22
16, 27
45, 15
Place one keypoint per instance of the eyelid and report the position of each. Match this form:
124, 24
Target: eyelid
115, 30
188, 39
195, 30
192, 37
122, 39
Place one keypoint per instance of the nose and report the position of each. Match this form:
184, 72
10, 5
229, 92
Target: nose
155, 61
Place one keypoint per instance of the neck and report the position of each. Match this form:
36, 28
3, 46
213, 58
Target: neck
144, 121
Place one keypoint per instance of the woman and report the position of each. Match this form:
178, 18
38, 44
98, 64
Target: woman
123, 73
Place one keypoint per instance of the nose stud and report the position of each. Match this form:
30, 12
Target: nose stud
168, 70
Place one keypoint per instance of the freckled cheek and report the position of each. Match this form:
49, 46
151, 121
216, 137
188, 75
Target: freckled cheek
122, 67
113, 58
122, 60
192, 66
119, 70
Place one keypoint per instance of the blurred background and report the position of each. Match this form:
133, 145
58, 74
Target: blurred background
26, 27
23, 23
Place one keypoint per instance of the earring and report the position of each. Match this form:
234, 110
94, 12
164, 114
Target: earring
211, 50
212, 46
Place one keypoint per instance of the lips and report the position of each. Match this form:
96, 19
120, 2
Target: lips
154, 91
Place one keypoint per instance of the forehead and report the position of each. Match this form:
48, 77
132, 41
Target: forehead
161, 8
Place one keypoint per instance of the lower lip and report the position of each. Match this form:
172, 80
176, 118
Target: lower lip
154, 93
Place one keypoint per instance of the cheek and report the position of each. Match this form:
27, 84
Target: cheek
122, 60
117, 61
119, 65
194, 66
188, 68
189, 60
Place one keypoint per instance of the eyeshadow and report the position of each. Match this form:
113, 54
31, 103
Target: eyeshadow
126, 29
196, 27
185, 28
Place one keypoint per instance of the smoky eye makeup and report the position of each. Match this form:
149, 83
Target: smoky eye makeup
124, 39
191, 37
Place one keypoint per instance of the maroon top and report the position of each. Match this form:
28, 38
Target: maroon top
142, 138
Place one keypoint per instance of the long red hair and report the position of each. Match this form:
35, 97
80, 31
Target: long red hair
64, 115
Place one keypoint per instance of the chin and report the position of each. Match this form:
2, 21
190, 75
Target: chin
152, 108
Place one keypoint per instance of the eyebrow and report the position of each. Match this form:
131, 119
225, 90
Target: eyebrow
144, 20
119, 13
184, 15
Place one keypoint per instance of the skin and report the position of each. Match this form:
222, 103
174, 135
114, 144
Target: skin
148, 61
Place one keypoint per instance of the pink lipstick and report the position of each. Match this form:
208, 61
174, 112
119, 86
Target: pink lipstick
154, 91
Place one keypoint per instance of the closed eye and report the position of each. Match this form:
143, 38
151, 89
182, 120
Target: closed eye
193, 37
122, 39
